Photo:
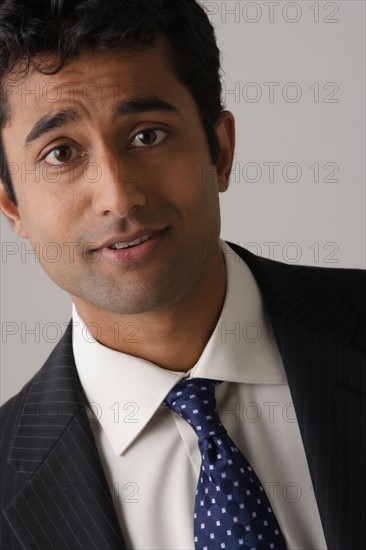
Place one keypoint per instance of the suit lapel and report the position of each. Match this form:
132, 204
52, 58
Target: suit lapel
317, 321
63, 500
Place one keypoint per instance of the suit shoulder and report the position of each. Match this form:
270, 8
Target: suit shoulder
10, 413
345, 284
10, 409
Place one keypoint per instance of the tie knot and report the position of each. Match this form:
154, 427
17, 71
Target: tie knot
194, 400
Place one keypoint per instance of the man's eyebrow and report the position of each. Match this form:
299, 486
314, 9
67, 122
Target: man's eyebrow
124, 107
142, 104
48, 123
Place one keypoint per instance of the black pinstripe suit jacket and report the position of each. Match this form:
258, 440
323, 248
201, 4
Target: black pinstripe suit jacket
54, 494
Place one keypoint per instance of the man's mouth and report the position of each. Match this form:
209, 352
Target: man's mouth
121, 246
133, 247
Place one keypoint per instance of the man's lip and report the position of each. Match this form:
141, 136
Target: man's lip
129, 237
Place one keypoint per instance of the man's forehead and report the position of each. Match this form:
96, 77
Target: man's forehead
104, 73
94, 79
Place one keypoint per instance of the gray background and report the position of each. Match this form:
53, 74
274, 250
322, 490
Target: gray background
294, 77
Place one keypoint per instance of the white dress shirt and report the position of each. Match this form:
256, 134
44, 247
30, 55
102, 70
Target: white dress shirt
150, 455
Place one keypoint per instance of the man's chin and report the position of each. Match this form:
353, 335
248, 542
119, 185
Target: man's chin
136, 302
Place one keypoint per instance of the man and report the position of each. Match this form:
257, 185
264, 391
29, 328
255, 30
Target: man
90, 455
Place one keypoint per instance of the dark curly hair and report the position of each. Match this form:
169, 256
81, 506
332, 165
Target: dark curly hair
67, 28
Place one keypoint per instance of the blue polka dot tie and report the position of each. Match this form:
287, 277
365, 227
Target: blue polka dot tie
232, 510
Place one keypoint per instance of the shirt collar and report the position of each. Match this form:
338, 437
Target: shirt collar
124, 392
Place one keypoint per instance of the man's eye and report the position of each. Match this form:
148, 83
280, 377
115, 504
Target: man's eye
147, 138
60, 155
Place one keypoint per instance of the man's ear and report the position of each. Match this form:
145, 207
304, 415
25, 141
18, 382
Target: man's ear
225, 129
11, 213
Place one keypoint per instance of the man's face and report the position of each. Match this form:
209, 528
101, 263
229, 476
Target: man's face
107, 177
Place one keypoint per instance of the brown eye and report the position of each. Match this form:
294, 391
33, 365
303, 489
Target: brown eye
59, 155
148, 138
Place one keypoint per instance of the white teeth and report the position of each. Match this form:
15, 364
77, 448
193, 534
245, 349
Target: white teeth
120, 246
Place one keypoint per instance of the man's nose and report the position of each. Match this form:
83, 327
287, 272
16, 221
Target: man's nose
118, 189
